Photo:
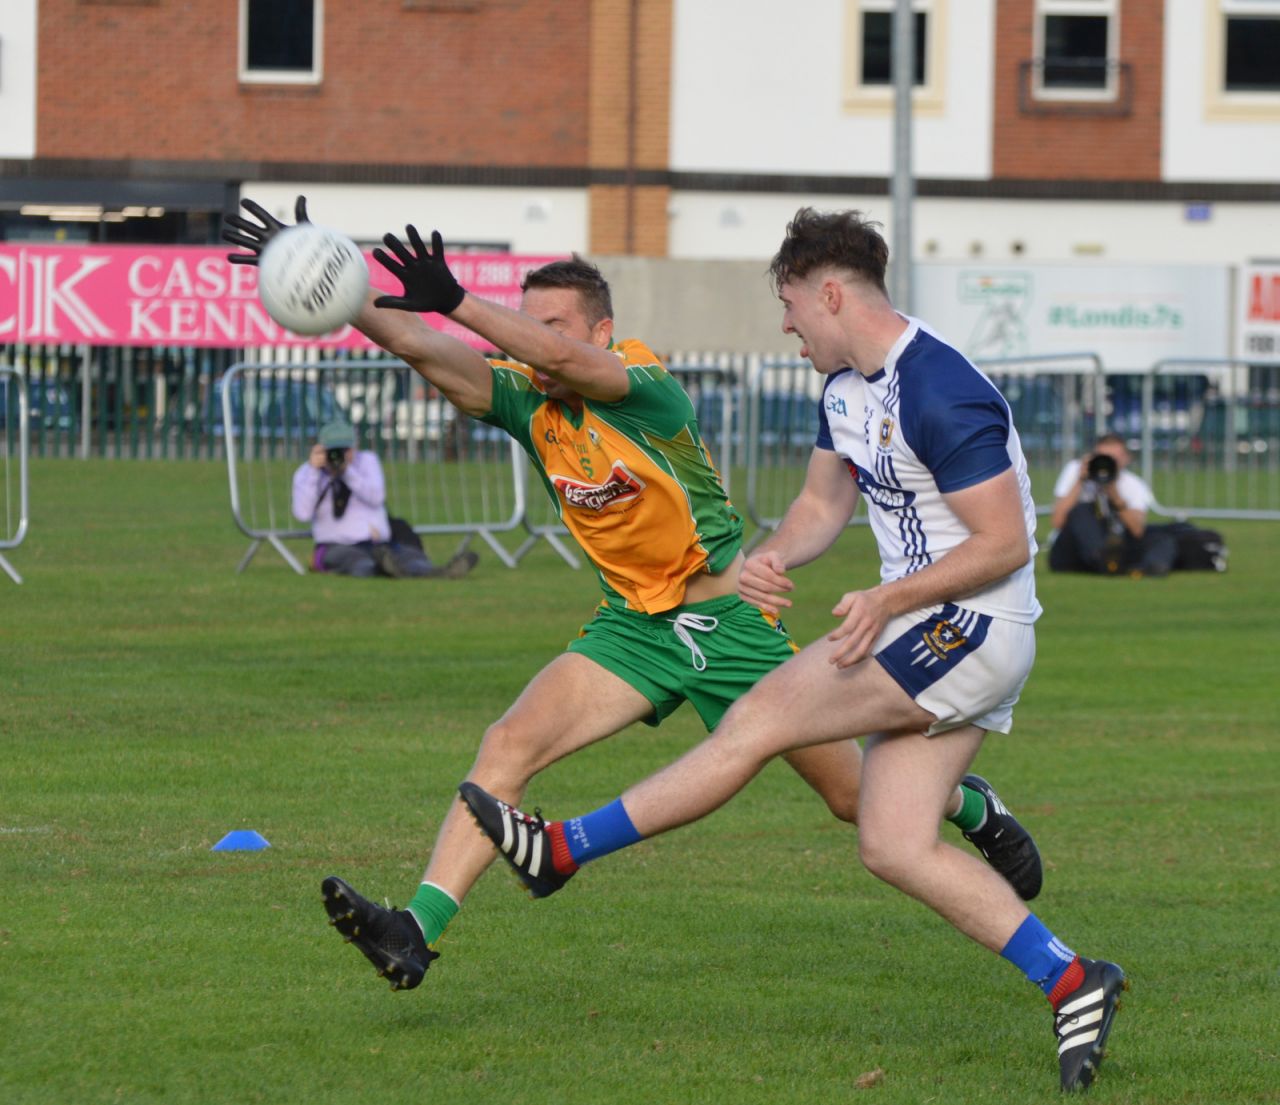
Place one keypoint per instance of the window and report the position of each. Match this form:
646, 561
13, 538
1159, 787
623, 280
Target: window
1077, 45
877, 47
1251, 54
280, 41
1242, 60
869, 54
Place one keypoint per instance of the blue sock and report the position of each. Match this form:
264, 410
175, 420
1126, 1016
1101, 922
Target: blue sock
599, 833
1038, 954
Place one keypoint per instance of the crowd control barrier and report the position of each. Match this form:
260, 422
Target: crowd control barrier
15, 429
446, 474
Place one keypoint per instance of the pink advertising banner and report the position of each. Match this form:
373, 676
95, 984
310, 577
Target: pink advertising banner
175, 295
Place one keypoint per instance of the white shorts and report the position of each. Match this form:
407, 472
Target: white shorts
965, 668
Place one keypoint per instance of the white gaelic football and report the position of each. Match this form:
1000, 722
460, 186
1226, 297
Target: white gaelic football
312, 279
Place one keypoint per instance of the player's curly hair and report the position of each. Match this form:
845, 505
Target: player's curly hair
581, 275
831, 239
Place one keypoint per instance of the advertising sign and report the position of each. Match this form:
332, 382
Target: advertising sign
1258, 314
1130, 315
188, 296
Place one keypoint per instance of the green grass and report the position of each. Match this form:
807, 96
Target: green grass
154, 700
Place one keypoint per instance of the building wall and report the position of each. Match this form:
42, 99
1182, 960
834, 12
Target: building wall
483, 84
1208, 136
1077, 140
766, 92
629, 118
739, 226
17, 78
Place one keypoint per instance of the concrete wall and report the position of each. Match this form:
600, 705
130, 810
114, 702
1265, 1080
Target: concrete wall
697, 305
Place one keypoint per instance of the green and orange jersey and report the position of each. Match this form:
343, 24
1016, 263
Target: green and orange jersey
632, 480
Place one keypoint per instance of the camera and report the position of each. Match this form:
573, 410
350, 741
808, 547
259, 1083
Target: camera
336, 457
1102, 468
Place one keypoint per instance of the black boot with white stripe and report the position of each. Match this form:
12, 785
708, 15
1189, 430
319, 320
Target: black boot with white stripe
1082, 1022
521, 839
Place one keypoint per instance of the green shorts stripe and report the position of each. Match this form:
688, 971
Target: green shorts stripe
645, 651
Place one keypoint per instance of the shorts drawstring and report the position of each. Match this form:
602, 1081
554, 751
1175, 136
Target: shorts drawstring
703, 623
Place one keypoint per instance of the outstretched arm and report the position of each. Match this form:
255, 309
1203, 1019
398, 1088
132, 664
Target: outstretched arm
590, 370
460, 372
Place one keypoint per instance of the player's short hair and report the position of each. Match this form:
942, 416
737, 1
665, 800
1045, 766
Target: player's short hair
831, 239
581, 275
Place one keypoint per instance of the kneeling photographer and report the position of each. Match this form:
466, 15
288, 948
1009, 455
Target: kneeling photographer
1100, 515
341, 492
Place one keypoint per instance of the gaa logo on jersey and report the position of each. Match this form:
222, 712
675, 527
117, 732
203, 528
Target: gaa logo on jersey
886, 432
943, 638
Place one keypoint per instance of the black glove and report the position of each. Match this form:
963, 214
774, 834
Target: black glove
428, 283
255, 237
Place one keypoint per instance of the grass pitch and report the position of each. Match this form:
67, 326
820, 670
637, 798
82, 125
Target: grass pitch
153, 700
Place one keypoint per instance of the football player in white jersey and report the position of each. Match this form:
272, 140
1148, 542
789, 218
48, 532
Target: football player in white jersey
922, 665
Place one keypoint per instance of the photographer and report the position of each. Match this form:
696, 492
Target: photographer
341, 493
1100, 515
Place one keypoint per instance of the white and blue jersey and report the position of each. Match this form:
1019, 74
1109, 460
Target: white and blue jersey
927, 424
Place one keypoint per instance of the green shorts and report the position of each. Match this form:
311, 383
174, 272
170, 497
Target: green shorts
728, 644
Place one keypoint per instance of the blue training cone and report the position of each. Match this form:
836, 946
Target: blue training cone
241, 840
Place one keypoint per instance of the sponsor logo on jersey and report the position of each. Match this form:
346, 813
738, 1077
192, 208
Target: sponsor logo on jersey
837, 405
621, 485
886, 498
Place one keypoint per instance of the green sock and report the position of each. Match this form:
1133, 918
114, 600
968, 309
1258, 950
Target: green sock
434, 908
972, 812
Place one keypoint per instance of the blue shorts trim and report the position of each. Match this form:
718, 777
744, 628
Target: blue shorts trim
931, 649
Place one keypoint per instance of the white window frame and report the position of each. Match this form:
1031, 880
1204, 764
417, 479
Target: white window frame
283, 76
926, 98
1110, 9
1220, 102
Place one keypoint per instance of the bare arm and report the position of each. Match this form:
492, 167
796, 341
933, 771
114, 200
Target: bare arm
811, 525
590, 370
996, 547
461, 373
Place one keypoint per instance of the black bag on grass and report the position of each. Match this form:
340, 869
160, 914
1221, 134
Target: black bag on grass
1199, 550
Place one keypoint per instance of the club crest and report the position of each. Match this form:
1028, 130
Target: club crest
886, 432
944, 638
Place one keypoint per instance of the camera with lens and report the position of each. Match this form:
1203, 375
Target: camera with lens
1102, 468
336, 457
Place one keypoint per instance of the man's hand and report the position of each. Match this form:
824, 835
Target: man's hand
254, 236
428, 283
763, 581
319, 457
865, 616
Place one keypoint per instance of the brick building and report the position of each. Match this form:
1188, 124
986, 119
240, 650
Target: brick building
1044, 129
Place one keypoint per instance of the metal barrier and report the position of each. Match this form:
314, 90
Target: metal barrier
783, 396
1210, 433
1206, 432
15, 422
445, 473
1059, 407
